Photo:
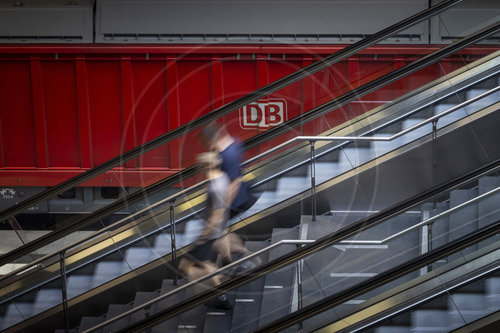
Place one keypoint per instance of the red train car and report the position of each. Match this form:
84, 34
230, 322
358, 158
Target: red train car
65, 109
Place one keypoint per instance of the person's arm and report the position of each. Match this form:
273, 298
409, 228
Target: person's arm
231, 160
234, 187
215, 218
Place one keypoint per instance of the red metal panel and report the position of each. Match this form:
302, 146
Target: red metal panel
121, 96
83, 109
128, 107
173, 109
106, 118
217, 82
195, 100
290, 94
16, 115
239, 78
150, 107
39, 113
61, 118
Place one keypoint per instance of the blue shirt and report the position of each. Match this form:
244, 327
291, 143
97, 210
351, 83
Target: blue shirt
232, 157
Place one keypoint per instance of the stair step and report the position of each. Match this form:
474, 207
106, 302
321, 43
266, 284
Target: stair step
350, 158
324, 171
46, 299
169, 325
289, 186
483, 102
492, 286
107, 271
138, 256
89, 322
142, 297
217, 321
162, 242
415, 134
193, 229
380, 148
450, 117
248, 298
16, 313
392, 329
429, 321
277, 292
463, 221
113, 311
488, 207
78, 284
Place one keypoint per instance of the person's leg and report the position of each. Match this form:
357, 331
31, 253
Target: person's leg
223, 247
236, 244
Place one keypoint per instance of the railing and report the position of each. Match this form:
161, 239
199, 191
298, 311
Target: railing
171, 199
330, 240
146, 306
342, 100
313, 139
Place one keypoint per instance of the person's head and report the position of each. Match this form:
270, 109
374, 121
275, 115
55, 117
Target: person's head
209, 161
213, 132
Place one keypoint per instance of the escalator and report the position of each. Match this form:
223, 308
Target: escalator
342, 280
94, 269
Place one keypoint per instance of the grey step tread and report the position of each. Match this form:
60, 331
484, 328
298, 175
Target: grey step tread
16, 313
248, 298
488, 211
78, 284
113, 311
142, 297
464, 220
169, 325
46, 299
353, 157
278, 289
217, 321
88, 322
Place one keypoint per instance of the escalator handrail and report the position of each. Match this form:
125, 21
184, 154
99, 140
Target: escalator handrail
329, 240
230, 107
278, 244
386, 79
174, 196
372, 138
381, 279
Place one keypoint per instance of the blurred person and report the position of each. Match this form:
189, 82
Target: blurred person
229, 149
200, 261
239, 198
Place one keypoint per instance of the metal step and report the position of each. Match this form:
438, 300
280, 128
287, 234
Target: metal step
248, 299
113, 311
89, 322
277, 291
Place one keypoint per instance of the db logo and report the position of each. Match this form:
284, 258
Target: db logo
262, 115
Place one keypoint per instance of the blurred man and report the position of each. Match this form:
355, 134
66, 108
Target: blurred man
200, 261
239, 198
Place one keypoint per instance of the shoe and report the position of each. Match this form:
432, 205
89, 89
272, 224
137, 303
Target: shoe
221, 302
247, 266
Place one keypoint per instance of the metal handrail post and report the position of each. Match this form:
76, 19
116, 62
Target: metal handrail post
313, 180
172, 239
64, 290
300, 269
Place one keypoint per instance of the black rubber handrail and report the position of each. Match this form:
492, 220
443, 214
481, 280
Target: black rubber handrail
325, 242
75, 223
226, 109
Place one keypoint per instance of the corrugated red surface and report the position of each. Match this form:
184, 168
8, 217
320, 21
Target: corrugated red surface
64, 109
